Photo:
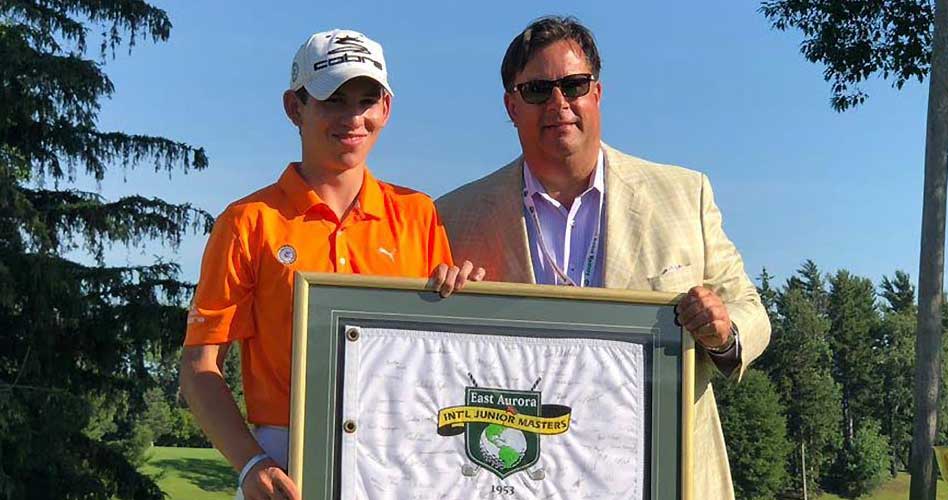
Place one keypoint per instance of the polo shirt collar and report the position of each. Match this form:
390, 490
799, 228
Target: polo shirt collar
371, 200
304, 198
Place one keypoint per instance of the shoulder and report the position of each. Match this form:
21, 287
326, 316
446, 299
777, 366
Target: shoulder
408, 203
656, 176
478, 191
246, 212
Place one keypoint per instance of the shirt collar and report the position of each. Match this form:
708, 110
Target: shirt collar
532, 186
370, 201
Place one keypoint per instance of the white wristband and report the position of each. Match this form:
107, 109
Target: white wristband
256, 459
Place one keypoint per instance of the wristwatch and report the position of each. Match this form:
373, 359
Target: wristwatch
727, 345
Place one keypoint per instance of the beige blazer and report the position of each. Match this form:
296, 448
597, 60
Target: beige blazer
662, 232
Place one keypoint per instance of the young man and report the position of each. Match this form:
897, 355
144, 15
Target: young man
573, 211
325, 213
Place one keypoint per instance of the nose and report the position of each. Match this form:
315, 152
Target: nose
557, 99
352, 116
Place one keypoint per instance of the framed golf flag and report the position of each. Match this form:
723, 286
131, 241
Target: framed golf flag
499, 391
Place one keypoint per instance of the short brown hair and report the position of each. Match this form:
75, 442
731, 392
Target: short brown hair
541, 33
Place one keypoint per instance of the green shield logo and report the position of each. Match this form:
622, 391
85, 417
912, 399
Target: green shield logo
498, 448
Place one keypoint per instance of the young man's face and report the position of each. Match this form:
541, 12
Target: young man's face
338, 133
560, 126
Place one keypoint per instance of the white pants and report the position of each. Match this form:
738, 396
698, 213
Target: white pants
275, 442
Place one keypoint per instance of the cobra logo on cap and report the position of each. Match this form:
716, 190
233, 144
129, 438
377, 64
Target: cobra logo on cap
286, 255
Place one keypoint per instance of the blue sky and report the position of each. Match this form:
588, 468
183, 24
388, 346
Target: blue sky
705, 85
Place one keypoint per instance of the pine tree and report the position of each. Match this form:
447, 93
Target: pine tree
899, 293
75, 339
810, 279
768, 294
755, 429
893, 406
801, 369
853, 316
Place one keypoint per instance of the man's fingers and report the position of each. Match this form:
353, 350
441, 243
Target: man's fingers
258, 485
712, 334
448, 285
438, 276
479, 274
701, 318
286, 487
270, 483
690, 311
466, 269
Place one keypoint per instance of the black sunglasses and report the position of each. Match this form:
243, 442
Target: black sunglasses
539, 91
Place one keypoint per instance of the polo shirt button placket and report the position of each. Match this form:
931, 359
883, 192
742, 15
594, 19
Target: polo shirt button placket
340, 249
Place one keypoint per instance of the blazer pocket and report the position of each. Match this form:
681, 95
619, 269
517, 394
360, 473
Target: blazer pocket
678, 280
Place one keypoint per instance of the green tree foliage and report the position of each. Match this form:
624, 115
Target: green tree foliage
853, 316
901, 40
76, 339
768, 294
894, 339
899, 293
855, 39
800, 365
864, 463
756, 435
810, 279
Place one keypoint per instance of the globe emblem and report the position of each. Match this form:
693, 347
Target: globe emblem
502, 446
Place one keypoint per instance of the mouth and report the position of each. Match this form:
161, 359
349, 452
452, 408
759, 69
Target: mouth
350, 140
557, 126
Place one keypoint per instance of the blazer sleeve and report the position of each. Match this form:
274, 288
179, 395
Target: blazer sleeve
724, 273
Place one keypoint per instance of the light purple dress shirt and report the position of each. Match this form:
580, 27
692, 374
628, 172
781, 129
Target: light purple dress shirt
567, 232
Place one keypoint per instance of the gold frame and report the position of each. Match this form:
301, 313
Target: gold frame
301, 319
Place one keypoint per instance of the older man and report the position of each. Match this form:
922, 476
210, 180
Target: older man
574, 211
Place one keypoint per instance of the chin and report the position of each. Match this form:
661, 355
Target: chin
347, 161
562, 146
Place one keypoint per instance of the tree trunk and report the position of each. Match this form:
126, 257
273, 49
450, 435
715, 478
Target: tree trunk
931, 267
803, 468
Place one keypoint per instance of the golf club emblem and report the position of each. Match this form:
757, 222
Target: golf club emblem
502, 428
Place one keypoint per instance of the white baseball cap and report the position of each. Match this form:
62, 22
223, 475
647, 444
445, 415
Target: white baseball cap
331, 58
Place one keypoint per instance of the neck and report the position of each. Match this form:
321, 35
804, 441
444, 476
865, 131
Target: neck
338, 188
564, 178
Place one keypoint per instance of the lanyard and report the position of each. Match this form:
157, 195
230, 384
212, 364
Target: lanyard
589, 262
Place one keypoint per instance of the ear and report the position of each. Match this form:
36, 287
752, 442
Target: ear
386, 107
293, 107
510, 103
597, 92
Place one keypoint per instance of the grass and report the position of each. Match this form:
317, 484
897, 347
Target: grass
896, 489
203, 474
191, 473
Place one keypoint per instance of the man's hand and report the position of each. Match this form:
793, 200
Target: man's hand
266, 481
446, 279
705, 316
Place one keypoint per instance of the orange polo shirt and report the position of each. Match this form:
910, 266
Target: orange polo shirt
245, 291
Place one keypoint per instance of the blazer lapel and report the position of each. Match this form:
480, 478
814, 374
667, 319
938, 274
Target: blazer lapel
510, 249
627, 215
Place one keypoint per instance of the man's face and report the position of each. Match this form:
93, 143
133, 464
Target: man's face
338, 133
558, 127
